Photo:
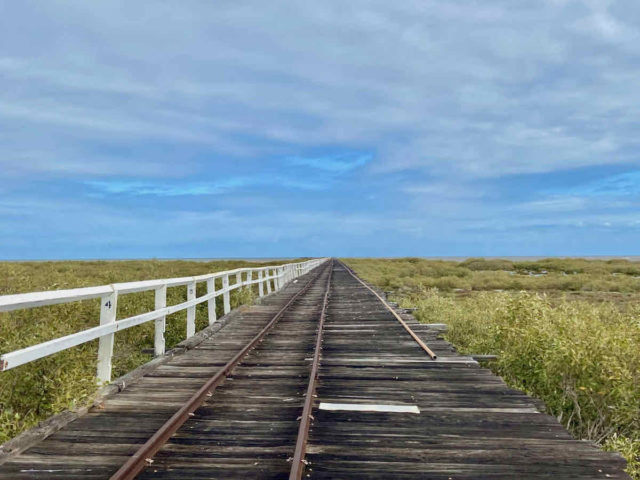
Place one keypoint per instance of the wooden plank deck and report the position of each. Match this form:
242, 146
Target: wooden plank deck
470, 425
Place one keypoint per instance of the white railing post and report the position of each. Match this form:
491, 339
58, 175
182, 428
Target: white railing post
268, 280
211, 303
108, 307
225, 295
260, 284
191, 311
239, 279
249, 279
161, 302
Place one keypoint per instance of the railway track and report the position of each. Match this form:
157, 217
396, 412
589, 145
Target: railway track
324, 380
293, 349
261, 383
304, 330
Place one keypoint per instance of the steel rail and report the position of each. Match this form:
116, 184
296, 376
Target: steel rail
297, 467
390, 308
137, 462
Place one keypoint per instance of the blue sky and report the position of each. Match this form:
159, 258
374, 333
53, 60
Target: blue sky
366, 128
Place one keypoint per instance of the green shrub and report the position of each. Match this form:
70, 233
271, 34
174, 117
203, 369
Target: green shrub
582, 359
478, 264
629, 448
556, 274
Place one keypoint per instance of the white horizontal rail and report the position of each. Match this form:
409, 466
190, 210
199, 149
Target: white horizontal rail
40, 299
280, 275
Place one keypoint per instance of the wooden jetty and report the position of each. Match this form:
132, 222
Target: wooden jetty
320, 380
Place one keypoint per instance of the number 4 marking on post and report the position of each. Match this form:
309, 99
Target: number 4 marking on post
108, 304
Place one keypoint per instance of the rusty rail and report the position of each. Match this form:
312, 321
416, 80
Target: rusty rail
297, 467
142, 457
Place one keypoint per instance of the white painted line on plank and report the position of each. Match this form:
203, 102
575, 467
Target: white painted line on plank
365, 407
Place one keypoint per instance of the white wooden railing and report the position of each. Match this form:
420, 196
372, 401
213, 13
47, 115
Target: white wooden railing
279, 275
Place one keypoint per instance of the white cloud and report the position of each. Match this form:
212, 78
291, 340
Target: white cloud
61, 164
482, 90
424, 106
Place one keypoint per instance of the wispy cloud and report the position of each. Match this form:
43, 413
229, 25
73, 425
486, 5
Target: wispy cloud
333, 163
181, 188
624, 184
71, 163
510, 103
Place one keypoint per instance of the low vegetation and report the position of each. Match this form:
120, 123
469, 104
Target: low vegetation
35, 391
565, 330
476, 274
